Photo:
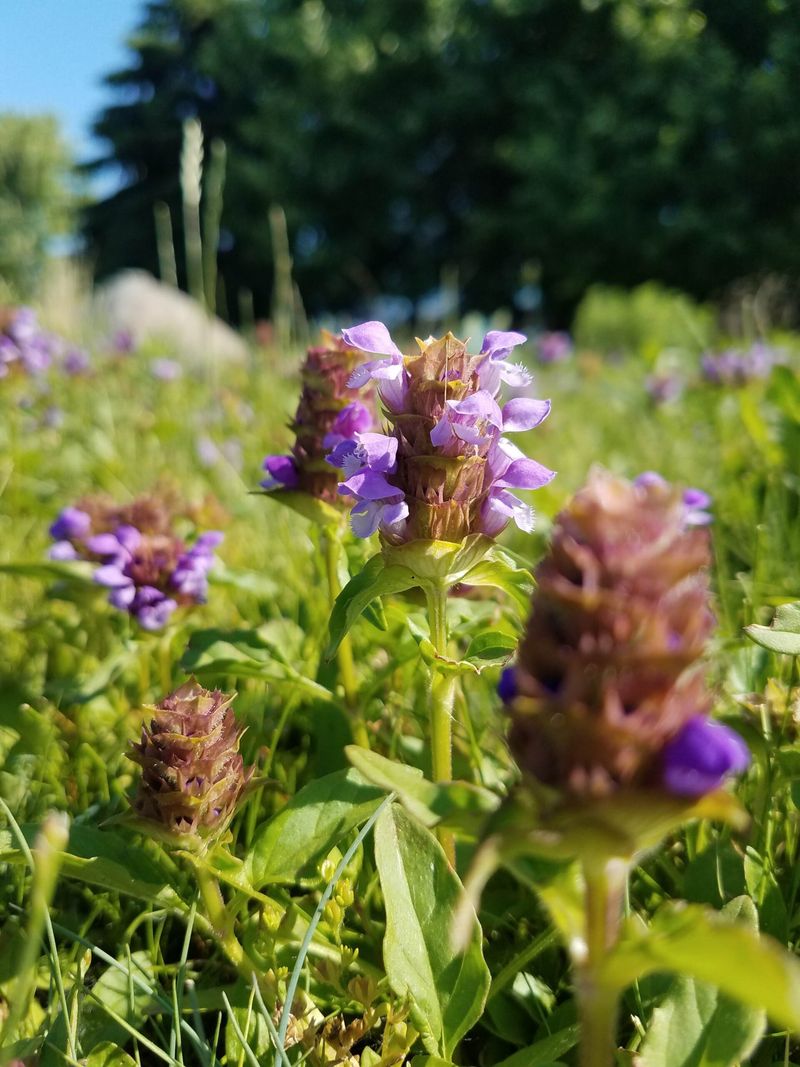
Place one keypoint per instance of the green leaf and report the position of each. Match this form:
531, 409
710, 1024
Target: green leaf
51, 571
114, 990
112, 861
376, 579
108, 1054
256, 583
499, 571
421, 892
451, 803
214, 653
440, 562
697, 1026
314, 820
491, 645
783, 635
310, 507
690, 940
543, 1053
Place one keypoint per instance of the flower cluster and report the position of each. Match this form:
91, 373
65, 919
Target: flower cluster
23, 343
608, 691
445, 469
148, 569
328, 413
737, 367
192, 771
554, 347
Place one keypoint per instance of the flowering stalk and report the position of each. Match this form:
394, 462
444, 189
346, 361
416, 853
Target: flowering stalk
437, 486
609, 705
332, 545
327, 414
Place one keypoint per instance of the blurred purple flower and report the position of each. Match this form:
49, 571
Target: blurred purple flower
166, 370
554, 347
281, 473
702, 755
76, 361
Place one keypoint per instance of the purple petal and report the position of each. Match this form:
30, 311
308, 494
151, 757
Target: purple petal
352, 419
372, 337
105, 544
343, 457
522, 413
369, 485
647, 478
442, 433
209, 540
524, 474
696, 498
62, 551
498, 343
394, 514
480, 405
128, 536
501, 506
111, 576
281, 471
701, 756
365, 518
123, 597
71, 523
155, 616
507, 686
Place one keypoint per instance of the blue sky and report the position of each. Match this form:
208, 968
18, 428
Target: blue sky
55, 53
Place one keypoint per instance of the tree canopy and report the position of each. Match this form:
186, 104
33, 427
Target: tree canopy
506, 141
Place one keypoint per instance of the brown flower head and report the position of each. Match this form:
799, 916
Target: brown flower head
192, 771
608, 671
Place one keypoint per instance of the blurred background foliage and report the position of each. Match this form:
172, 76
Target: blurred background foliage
37, 202
512, 152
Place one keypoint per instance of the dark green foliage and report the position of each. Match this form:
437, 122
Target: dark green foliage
554, 140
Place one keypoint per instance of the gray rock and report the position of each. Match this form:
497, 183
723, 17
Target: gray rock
150, 310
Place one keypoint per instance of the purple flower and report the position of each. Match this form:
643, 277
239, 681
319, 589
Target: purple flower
695, 501
373, 451
507, 686
123, 343
510, 468
554, 347
443, 406
379, 502
663, 388
702, 756
62, 551
151, 608
354, 418
71, 524
281, 473
76, 361
166, 370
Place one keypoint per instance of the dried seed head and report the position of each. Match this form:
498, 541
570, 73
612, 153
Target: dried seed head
192, 772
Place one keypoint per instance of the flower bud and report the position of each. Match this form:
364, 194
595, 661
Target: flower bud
192, 772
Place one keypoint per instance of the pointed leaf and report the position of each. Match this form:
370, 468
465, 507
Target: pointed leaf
320, 816
376, 579
451, 803
697, 1026
691, 940
421, 892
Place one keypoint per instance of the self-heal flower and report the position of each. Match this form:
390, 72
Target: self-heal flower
447, 470
608, 690
193, 774
148, 570
327, 415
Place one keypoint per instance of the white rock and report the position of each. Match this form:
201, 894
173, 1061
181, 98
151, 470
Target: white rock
150, 310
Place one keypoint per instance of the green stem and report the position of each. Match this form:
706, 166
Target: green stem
443, 692
221, 921
604, 891
344, 654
